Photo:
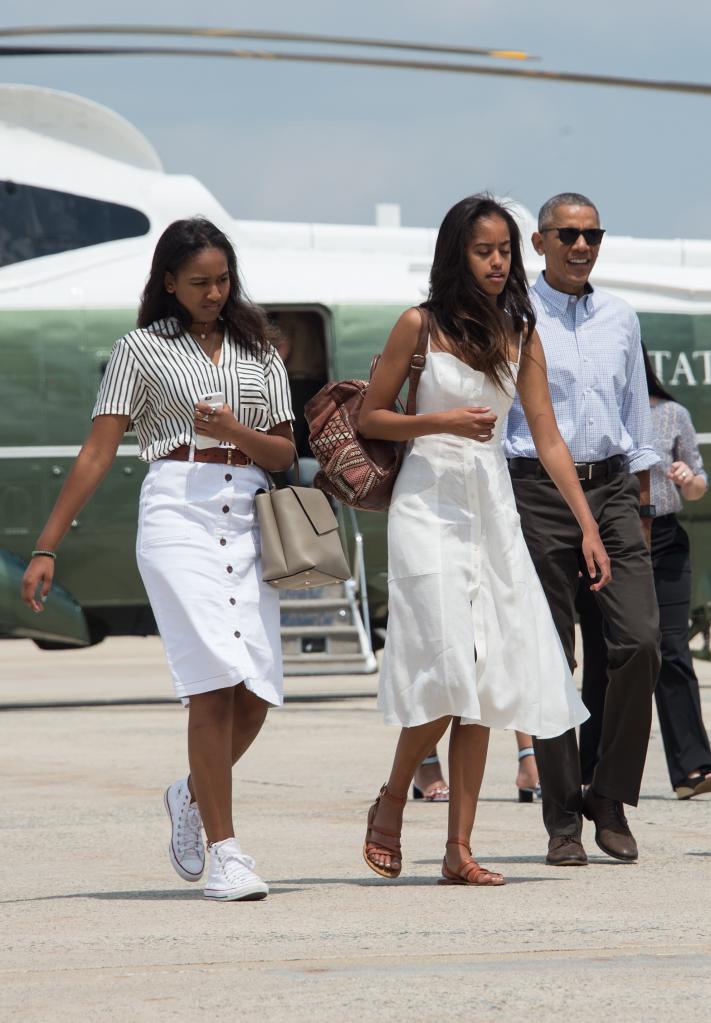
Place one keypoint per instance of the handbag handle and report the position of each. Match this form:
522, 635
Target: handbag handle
417, 362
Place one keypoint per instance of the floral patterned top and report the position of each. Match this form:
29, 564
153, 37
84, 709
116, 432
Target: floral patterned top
674, 441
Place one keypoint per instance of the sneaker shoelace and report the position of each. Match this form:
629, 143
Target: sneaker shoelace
189, 838
233, 864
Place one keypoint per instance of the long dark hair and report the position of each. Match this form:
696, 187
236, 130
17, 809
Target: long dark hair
654, 384
461, 308
181, 240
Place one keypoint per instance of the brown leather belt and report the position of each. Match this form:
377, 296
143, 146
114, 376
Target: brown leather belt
221, 456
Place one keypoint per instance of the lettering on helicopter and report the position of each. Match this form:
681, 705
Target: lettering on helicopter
675, 368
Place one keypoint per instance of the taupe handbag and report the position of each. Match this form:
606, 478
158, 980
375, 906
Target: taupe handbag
301, 545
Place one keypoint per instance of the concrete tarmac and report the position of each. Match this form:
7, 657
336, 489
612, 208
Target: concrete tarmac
97, 926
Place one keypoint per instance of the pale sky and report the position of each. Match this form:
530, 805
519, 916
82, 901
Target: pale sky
299, 142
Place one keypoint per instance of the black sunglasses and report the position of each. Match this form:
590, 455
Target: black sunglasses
570, 235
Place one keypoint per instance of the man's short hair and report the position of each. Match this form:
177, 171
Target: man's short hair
545, 214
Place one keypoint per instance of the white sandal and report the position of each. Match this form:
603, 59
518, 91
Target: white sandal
438, 794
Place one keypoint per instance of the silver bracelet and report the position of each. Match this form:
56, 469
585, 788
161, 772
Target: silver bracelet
44, 554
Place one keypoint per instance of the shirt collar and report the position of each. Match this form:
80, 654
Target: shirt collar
559, 299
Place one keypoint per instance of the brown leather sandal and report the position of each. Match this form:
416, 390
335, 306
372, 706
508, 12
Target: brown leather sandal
469, 872
383, 841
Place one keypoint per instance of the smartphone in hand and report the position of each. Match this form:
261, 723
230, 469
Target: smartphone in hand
215, 399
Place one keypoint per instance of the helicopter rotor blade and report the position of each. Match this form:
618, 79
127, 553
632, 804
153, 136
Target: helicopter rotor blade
658, 85
239, 33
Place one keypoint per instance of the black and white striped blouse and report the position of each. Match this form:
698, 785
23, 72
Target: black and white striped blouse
157, 379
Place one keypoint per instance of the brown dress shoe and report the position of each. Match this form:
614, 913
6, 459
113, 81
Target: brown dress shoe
612, 832
566, 851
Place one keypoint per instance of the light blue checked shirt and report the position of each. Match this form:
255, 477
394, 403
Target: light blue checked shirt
596, 378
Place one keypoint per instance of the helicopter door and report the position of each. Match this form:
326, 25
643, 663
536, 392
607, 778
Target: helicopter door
324, 631
302, 344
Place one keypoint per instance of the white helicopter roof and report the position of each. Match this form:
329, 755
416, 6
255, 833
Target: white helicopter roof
57, 141
76, 121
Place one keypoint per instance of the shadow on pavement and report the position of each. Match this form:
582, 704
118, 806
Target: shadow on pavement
659, 798
492, 858
595, 860
363, 882
161, 701
407, 882
139, 896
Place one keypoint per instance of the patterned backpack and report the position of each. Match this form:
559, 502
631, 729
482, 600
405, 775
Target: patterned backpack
356, 470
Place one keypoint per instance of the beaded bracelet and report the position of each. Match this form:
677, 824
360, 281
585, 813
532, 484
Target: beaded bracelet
44, 554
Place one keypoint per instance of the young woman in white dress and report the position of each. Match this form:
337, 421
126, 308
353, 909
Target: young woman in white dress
470, 637
198, 544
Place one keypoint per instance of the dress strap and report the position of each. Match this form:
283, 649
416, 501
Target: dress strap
520, 348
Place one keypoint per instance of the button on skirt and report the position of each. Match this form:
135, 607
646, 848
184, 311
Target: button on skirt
199, 557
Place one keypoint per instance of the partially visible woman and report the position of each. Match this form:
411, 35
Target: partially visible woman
198, 541
678, 476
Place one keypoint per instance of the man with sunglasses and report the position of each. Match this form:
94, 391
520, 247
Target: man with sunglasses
598, 388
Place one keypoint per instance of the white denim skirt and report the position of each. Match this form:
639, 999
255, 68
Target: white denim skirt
199, 557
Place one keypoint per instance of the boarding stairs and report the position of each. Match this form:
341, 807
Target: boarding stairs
325, 630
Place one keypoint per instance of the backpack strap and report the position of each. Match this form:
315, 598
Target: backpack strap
417, 363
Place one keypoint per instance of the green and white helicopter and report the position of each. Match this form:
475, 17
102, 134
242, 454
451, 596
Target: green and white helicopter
83, 199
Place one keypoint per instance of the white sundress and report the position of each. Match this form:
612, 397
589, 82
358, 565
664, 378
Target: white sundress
470, 633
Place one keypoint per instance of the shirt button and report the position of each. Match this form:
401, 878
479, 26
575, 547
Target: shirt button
591, 422
237, 635
232, 601
229, 568
228, 476
223, 542
225, 508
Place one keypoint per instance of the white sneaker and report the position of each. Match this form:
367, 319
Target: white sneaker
231, 877
186, 848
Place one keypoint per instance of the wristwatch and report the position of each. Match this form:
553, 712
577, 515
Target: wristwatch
647, 511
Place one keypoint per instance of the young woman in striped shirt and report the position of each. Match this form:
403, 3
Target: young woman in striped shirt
198, 543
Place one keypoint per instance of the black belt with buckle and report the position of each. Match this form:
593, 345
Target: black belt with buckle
588, 472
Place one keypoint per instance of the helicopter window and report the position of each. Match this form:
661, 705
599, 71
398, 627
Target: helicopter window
40, 222
302, 346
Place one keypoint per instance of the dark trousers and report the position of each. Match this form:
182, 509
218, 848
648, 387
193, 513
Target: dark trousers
686, 743
594, 678
631, 623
